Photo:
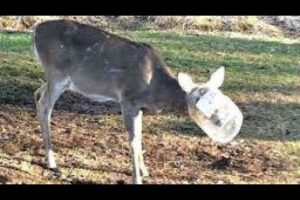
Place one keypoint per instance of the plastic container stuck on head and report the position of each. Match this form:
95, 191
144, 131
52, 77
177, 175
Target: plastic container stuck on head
218, 116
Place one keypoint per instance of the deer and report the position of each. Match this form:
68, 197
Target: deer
104, 67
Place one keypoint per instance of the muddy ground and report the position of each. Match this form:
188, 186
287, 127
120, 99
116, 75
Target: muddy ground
91, 147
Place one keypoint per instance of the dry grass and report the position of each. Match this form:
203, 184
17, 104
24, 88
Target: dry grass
248, 24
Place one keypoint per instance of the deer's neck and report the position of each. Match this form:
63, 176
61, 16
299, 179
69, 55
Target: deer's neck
168, 93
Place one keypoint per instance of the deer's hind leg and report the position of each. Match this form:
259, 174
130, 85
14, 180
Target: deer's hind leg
45, 98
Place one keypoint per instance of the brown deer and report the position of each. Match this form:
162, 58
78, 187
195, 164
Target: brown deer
105, 67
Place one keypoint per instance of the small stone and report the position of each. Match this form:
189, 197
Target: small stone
37, 130
68, 130
4, 179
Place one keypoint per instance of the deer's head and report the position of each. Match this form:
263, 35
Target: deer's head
215, 113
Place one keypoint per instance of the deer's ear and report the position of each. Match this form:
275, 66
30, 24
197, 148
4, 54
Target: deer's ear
185, 82
217, 78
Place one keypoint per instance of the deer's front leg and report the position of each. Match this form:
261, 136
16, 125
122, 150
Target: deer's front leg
132, 117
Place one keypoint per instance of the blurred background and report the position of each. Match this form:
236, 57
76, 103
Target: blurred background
272, 25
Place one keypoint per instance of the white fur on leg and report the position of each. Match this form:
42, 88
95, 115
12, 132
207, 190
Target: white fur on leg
136, 147
137, 144
51, 159
137, 179
144, 171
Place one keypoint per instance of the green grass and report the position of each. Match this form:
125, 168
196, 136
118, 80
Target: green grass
262, 76
241, 57
15, 42
247, 62
253, 66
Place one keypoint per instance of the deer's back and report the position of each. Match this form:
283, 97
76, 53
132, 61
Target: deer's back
96, 61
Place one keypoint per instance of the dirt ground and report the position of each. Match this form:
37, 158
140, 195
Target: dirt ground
91, 147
